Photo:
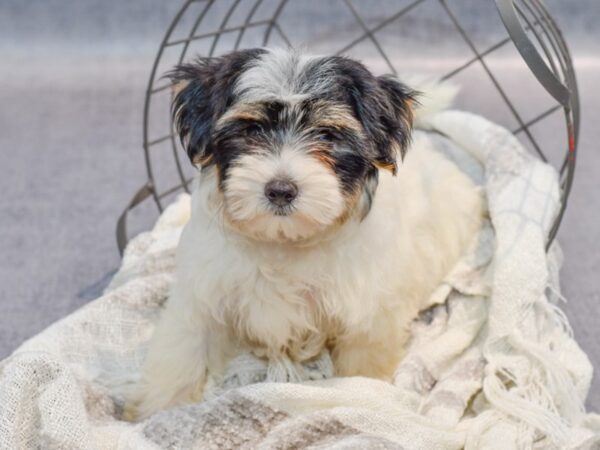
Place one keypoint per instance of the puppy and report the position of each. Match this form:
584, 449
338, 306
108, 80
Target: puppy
306, 231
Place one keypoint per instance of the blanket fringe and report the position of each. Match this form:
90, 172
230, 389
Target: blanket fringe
539, 390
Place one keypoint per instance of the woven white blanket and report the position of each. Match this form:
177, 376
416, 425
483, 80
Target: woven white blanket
492, 363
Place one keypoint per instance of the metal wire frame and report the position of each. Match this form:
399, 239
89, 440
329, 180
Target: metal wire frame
523, 19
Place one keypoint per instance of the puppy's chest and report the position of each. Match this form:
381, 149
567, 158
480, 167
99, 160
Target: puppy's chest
297, 296
299, 287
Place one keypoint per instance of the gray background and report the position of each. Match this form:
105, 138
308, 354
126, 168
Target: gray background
72, 81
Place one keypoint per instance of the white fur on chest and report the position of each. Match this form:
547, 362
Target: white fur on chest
278, 295
355, 291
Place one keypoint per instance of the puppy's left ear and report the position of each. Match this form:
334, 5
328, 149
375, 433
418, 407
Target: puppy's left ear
385, 108
392, 104
399, 112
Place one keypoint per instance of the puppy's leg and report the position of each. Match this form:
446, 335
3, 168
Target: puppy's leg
176, 364
377, 352
364, 357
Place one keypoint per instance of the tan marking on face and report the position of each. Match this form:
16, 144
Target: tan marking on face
246, 112
351, 200
323, 154
335, 116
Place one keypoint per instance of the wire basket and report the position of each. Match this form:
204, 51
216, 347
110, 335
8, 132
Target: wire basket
498, 49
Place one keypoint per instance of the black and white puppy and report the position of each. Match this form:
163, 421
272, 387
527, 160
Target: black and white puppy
301, 237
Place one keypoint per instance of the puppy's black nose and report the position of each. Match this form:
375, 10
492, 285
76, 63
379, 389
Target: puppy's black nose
281, 192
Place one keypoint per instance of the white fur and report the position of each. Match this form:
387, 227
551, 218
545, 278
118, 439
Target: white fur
362, 284
285, 287
276, 75
318, 205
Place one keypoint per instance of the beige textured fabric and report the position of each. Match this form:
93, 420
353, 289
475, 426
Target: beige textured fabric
492, 363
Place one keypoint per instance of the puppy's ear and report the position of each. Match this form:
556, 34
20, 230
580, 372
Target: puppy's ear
203, 90
384, 107
396, 115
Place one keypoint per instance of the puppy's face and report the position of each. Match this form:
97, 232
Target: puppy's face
296, 141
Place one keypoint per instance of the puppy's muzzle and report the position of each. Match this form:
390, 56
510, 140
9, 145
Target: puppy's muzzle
281, 193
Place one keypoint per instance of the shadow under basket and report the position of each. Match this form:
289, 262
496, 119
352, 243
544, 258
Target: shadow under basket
499, 49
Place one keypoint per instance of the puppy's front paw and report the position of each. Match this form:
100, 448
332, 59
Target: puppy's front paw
142, 402
137, 404
130, 412
147, 398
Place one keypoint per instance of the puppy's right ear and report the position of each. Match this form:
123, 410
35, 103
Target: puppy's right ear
204, 89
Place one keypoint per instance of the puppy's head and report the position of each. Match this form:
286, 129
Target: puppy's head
295, 141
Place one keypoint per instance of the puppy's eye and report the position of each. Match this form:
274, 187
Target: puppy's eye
327, 136
253, 129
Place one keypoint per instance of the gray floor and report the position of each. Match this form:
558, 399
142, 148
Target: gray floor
72, 82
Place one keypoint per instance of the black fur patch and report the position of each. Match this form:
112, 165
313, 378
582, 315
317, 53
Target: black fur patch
344, 148
382, 104
207, 95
